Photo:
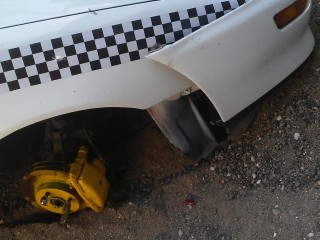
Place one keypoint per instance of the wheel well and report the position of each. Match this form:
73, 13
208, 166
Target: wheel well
105, 125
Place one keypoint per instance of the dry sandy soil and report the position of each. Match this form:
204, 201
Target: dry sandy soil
264, 186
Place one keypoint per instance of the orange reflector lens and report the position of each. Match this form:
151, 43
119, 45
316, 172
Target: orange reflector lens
290, 13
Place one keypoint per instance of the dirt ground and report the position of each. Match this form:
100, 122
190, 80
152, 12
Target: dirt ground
264, 186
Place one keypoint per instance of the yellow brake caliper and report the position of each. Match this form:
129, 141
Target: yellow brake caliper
64, 189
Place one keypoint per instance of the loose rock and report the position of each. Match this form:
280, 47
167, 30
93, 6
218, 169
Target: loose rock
296, 136
232, 195
275, 211
311, 234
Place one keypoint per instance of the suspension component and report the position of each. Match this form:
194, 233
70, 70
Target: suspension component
64, 189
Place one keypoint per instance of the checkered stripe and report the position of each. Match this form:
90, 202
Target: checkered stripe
101, 48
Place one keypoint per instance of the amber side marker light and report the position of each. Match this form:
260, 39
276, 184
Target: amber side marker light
290, 13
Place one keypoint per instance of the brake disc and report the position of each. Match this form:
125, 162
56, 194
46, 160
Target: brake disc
61, 188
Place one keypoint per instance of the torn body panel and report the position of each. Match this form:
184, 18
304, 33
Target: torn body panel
181, 122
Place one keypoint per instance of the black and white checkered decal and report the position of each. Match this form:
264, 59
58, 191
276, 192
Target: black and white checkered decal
101, 48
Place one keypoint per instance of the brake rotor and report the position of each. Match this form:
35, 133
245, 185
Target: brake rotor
66, 188
45, 187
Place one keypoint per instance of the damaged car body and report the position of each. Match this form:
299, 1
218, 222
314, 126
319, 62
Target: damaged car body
66, 56
197, 67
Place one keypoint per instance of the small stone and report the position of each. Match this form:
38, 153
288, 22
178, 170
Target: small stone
296, 136
214, 211
318, 70
224, 237
68, 225
254, 175
318, 182
282, 188
279, 118
232, 195
254, 169
275, 211
212, 168
101, 228
311, 234
274, 235
130, 203
180, 232
258, 182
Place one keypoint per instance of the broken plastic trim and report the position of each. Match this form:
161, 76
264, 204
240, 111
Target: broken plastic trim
181, 122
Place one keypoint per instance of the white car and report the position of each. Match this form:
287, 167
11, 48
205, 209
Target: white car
58, 57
